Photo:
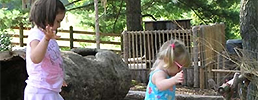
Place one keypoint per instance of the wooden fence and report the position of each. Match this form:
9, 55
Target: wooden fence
210, 41
71, 39
142, 46
203, 43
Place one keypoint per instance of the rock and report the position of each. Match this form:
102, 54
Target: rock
13, 74
102, 76
212, 84
139, 95
106, 77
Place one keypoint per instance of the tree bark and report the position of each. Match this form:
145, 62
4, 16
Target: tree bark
97, 24
133, 15
134, 19
249, 33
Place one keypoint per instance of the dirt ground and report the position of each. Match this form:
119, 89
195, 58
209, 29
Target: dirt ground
182, 90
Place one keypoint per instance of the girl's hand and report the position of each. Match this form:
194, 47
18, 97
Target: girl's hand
64, 84
50, 33
179, 77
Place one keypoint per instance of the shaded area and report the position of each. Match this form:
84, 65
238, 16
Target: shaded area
13, 76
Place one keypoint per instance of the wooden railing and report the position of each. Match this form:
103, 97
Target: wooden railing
71, 39
203, 42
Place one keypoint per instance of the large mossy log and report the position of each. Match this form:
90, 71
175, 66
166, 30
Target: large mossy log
102, 75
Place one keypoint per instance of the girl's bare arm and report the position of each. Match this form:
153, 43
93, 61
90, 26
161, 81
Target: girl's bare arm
38, 50
159, 79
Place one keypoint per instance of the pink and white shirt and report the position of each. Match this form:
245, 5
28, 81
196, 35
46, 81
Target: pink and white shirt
47, 74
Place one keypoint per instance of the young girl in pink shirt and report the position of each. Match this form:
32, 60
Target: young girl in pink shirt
43, 59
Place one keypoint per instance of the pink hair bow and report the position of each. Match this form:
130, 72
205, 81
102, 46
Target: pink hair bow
172, 45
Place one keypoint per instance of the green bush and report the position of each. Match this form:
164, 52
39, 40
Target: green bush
9, 18
5, 41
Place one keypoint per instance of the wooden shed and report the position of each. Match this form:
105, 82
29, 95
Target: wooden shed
168, 24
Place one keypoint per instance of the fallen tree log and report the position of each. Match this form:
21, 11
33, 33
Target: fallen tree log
101, 76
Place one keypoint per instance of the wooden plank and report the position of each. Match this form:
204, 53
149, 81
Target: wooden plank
219, 65
149, 49
133, 47
190, 76
90, 41
77, 40
137, 48
145, 48
129, 45
225, 71
78, 32
152, 47
91, 33
16, 43
141, 45
24, 28
16, 35
195, 55
21, 35
156, 42
202, 47
126, 48
71, 37
209, 53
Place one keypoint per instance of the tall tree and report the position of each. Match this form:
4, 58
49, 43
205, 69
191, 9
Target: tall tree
97, 24
249, 34
133, 15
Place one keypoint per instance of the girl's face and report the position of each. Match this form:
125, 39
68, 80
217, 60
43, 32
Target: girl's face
175, 68
59, 18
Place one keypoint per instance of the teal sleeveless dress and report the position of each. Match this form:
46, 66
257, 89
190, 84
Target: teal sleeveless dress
152, 92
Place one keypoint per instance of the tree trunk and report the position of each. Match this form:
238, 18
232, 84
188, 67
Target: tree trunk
97, 24
24, 4
134, 19
133, 15
249, 33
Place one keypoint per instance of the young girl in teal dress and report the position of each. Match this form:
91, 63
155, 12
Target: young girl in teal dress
167, 71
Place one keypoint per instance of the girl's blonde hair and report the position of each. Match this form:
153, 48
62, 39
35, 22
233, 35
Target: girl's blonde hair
171, 51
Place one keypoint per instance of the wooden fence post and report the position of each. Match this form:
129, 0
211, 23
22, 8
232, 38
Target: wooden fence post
21, 34
71, 37
195, 53
202, 56
126, 45
121, 44
219, 66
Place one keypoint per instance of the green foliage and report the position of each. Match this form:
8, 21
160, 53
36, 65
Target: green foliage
113, 20
134, 82
9, 18
11, 4
110, 21
65, 48
213, 11
5, 41
87, 37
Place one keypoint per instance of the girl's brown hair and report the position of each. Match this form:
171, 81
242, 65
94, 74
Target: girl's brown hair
173, 50
43, 12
